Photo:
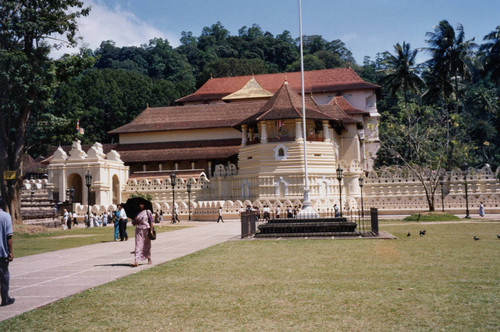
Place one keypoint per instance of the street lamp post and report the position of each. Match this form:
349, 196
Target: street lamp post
465, 172
339, 177
88, 183
441, 183
188, 187
361, 183
172, 181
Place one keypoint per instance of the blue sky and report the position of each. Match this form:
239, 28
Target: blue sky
365, 26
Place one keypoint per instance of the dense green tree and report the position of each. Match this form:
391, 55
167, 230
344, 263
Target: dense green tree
490, 52
417, 139
230, 67
28, 76
401, 73
450, 59
104, 99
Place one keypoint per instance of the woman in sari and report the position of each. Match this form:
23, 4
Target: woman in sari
143, 227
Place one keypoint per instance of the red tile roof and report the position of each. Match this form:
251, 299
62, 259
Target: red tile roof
346, 106
287, 104
316, 81
190, 117
173, 151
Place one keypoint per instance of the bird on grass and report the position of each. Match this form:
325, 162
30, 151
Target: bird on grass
422, 233
408, 234
498, 236
476, 238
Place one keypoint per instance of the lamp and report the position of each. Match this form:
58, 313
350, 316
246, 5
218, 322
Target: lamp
361, 184
465, 170
172, 182
188, 188
88, 183
339, 178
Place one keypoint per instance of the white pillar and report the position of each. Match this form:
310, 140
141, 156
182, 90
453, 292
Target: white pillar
244, 135
298, 130
326, 131
263, 132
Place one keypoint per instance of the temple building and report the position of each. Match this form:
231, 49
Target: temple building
237, 139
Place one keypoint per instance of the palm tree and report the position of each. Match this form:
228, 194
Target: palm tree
401, 72
450, 54
490, 53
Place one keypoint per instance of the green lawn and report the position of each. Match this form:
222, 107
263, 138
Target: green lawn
442, 281
30, 243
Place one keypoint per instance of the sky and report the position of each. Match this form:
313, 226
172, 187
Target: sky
367, 27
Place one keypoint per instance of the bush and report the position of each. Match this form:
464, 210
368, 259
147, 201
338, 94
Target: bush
432, 216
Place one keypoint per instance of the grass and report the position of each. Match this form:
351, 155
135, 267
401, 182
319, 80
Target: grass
432, 216
31, 240
442, 281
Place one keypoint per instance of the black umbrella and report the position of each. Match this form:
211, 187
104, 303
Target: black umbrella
132, 208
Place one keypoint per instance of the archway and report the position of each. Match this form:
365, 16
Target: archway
116, 190
75, 181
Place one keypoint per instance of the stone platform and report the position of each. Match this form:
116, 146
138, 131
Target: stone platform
316, 227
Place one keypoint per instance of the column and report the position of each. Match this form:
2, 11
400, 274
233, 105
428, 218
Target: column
263, 132
243, 135
326, 131
298, 130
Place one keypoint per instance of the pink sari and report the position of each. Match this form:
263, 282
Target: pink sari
142, 241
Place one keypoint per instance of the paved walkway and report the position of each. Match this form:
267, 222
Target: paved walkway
41, 279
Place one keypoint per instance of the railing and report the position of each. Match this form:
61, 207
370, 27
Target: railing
248, 223
366, 221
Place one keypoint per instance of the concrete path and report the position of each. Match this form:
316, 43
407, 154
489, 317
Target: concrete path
38, 280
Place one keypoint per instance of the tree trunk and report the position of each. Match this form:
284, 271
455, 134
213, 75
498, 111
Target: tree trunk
12, 199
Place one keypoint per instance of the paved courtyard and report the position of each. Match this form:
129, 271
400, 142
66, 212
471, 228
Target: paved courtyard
41, 279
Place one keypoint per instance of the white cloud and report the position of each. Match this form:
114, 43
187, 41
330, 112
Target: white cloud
116, 24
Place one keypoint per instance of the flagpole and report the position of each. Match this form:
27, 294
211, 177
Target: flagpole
307, 210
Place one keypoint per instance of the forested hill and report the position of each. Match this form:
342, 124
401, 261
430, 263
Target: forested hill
119, 82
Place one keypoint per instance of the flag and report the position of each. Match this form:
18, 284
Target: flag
279, 123
311, 134
81, 131
78, 126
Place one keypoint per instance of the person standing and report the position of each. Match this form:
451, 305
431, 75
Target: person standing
336, 209
123, 223
116, 222
6, 254
143, 230
65, 219
277, 212
481, 209
75, 222
220, 215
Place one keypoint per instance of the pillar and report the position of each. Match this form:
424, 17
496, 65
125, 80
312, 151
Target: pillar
298, 130
263, 132
244, 135
326, 131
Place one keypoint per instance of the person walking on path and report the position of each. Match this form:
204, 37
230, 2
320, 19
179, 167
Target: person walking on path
75, 222
122, 223
220, 215
143, 230
6, 255
481, 209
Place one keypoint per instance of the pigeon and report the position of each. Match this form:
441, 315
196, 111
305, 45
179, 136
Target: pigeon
498, 236
408, 234
422, 233
476, 238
